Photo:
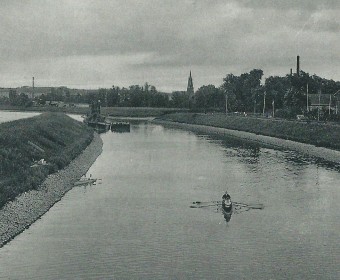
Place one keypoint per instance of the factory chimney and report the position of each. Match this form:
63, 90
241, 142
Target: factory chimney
33, 88
298, 66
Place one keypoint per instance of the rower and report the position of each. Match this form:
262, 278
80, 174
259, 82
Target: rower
226, 199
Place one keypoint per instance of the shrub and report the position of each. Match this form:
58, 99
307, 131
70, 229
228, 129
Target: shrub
285, 113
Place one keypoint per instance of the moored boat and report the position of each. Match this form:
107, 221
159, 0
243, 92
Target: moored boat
120, 127
95, 119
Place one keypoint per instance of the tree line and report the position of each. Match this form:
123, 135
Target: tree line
246, 93
286, 95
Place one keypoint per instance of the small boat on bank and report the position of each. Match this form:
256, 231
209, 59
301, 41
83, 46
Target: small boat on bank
85, 181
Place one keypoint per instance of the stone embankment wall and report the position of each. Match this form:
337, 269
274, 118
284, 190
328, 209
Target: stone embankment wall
311, 150
19, 214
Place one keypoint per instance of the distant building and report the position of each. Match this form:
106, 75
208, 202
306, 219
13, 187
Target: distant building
4, 92
190, 88
36, 92
324, 101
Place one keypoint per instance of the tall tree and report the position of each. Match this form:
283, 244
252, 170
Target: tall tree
275, 88
136, 96
180, 99
209, 97
102, 96
241, 89
113, 97
13, 96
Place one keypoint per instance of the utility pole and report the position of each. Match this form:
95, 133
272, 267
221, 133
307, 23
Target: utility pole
319, 104
307, 99
253, 93
264, 102
336, 101
273, 104
32, 87
329, 105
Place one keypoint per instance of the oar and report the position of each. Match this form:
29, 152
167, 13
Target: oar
198, 203
254, 206
202, 202
201, 206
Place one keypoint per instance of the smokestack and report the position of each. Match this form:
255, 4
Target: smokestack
33, 88
298, 65
291, 71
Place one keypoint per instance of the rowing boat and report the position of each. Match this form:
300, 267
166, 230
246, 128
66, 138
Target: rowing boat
227, 210
227, 207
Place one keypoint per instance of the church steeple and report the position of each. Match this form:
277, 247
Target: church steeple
190, 88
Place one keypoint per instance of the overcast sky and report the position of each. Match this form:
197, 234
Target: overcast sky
100, 43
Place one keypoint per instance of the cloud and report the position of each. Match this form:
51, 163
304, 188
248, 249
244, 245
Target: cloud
303, 5
165, 36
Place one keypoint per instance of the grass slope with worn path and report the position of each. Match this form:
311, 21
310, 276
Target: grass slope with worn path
54, 137
25, 209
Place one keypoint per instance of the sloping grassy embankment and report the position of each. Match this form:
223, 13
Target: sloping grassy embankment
319, 134
54, 137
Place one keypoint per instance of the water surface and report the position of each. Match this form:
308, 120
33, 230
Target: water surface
138, 224
6, 116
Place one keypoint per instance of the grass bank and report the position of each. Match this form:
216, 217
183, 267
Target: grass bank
54, 137
319, 134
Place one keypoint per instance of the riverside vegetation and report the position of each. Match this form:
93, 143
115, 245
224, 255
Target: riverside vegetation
54, 137
315, 133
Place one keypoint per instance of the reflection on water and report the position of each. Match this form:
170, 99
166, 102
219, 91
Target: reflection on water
120, 127
6, 116
137, 223
227, 213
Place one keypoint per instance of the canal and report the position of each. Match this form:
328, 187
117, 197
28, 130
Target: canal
137, 222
